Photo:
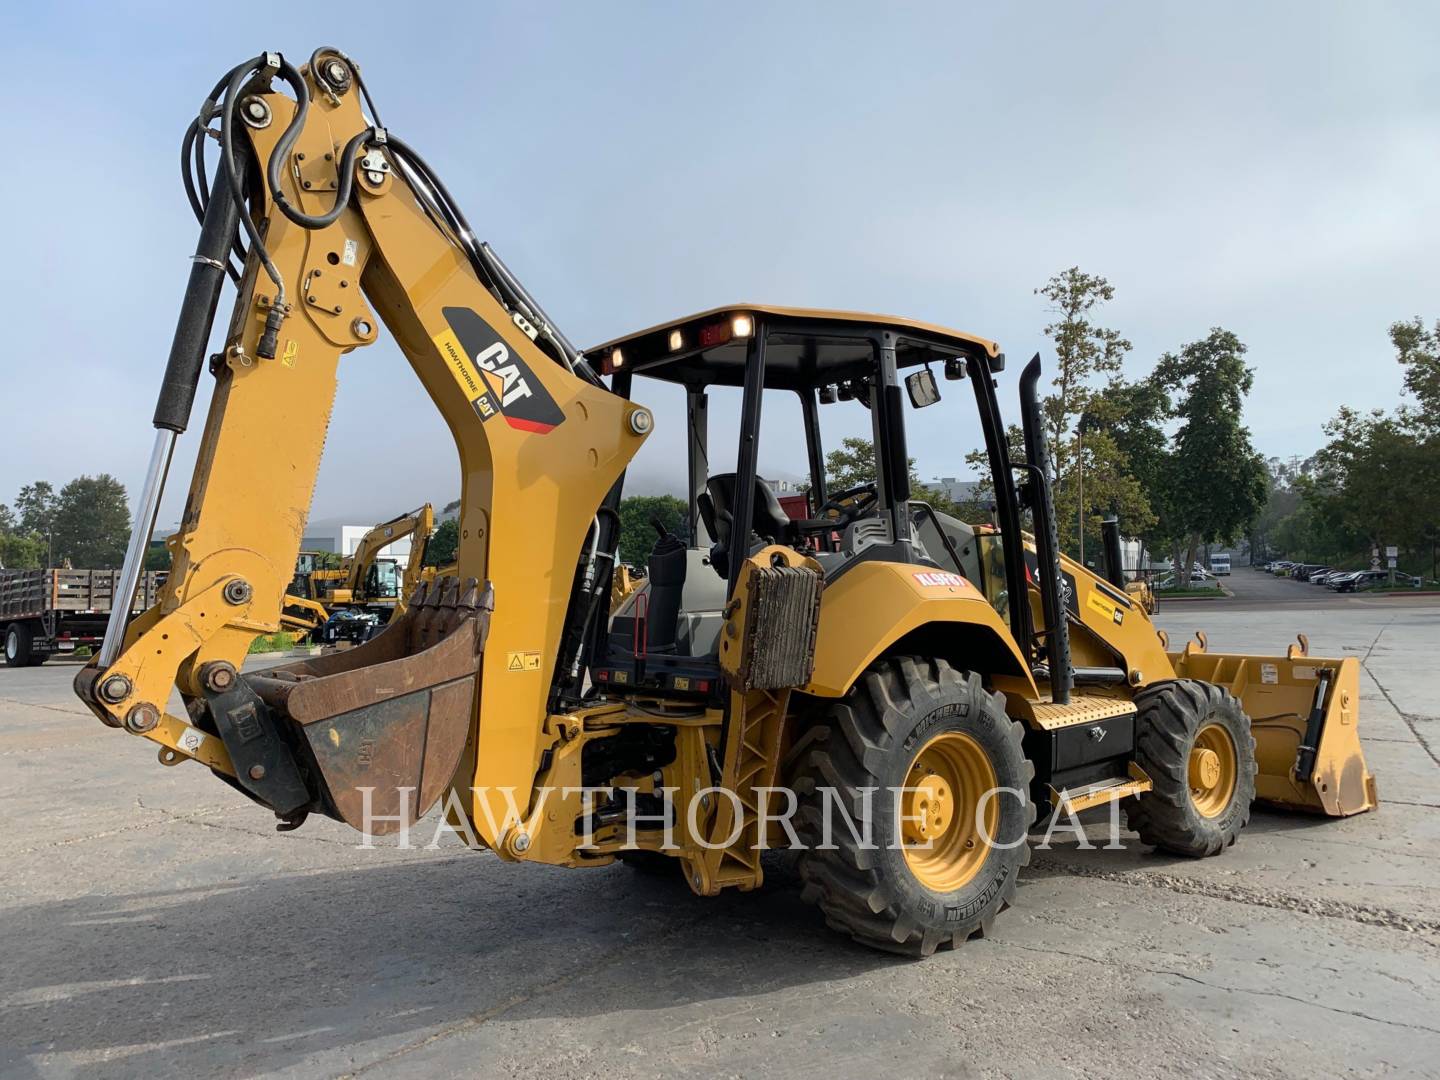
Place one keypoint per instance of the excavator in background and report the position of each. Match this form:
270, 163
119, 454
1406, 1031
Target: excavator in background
351, 601
914, 689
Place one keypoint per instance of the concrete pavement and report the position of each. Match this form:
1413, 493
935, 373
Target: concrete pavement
152, 923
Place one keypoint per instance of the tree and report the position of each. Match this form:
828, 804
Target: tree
1418, 351
637, 533
1133, 416
1368, 479
35, 508
1083, 351
1214, 480
853, 464
444, 544
18, 552
1376, 482
92, 522
1283, 499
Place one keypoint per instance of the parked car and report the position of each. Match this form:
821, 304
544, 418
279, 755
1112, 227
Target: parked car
1323, 578
1167, 581
1360, 579
1305, 570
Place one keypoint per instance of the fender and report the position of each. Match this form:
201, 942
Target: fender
900, 600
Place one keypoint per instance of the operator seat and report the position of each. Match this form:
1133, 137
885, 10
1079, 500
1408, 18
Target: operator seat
716, 503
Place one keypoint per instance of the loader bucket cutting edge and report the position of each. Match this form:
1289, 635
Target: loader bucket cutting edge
1304, 713
385, 723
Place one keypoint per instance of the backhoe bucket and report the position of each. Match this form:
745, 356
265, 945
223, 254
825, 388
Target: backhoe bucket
384, 724
1304, 712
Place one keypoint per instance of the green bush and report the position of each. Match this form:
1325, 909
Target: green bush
281, 642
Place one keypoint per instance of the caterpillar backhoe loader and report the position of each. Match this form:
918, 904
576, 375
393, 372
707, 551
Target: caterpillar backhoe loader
891, 693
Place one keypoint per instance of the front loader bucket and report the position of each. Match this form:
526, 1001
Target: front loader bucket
384, 724
1304, 712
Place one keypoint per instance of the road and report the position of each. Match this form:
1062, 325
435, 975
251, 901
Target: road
1255, 589
154, 924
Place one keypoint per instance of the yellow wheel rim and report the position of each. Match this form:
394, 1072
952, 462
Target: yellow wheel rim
941, 827
1212, 770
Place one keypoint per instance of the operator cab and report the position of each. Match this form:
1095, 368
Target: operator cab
665, 635
382, 580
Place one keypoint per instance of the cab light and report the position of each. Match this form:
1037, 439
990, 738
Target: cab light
742, 326
715, 334
617, 359
677, 340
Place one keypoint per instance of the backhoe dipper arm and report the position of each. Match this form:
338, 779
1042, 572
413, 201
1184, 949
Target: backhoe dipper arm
348, 229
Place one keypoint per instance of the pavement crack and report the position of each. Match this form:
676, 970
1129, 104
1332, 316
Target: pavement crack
40, 705
194, 818
137, 826
1364, 914
1408, 718
1223, 987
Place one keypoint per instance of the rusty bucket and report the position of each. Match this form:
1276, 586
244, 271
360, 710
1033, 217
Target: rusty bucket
384, 724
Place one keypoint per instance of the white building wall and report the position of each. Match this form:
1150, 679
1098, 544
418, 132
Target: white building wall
344, 539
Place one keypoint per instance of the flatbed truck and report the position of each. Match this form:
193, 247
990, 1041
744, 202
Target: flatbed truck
59, 610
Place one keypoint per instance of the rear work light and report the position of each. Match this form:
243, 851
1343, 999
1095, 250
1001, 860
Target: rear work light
736, 326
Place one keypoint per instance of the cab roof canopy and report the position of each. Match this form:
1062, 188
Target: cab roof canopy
805, 347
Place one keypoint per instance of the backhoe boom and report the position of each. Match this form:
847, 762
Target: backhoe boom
539, 443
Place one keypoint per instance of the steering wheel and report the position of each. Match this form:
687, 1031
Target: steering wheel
849, 504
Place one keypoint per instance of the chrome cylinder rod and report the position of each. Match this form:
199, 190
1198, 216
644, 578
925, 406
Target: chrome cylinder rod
145, 510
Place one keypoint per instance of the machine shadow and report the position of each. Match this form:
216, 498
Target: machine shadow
266, 973
1065, 853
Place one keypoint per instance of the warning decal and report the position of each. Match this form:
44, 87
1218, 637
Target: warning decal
522, 661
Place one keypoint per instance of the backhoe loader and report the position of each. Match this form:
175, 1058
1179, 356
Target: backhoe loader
890, 693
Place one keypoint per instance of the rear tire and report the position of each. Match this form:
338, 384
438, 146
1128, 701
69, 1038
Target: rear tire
896, 893
1193, 740
17, 646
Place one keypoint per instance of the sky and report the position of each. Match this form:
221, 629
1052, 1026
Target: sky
1270, 168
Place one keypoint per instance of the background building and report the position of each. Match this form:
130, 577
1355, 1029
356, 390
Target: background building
344, 539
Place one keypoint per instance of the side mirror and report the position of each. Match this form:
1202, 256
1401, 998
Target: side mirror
920, 385
827, 395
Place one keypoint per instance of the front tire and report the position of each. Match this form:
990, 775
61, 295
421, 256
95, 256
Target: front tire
1193, 740
930, 742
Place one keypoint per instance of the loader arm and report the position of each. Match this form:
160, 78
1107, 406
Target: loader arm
540, 442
